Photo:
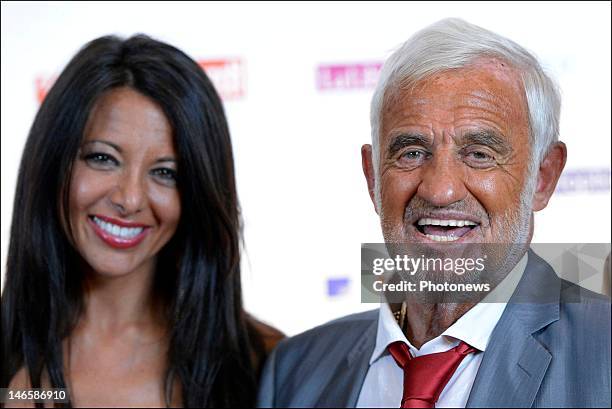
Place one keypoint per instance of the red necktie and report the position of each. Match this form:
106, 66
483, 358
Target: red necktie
426, 376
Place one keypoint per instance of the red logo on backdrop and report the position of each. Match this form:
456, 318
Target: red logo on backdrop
42, 85
227, 75
348, 76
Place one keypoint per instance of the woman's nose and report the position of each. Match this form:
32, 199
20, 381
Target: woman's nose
129, 194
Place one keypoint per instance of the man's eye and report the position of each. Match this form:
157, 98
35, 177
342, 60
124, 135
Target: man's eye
480, 156
412, 158
98, 159
413, 154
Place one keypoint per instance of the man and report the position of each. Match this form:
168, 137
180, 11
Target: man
464, 149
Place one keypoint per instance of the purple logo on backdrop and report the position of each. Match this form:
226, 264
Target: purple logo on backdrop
584, 180
348, 76
337, 286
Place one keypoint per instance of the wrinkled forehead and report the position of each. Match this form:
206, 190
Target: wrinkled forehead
487, 92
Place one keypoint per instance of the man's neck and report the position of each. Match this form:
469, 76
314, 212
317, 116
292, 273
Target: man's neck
425, 322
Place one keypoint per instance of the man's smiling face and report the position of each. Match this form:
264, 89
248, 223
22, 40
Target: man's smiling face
454, 158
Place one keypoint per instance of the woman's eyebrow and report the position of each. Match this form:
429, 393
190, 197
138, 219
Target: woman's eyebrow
112, 145
166, 159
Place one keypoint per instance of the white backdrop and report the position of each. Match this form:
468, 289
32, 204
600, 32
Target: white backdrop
297, 81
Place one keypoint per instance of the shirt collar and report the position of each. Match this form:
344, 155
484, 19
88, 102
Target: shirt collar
387, 332
474, 327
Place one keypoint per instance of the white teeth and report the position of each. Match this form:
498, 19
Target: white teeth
442, 238
439, 222
122, 232
449, 223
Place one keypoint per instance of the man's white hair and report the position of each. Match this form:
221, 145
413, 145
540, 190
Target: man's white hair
454, 43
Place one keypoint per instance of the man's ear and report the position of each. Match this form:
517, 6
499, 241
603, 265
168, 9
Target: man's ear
548, 174
368, 172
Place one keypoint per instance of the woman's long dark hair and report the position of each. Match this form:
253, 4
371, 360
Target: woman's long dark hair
198, 273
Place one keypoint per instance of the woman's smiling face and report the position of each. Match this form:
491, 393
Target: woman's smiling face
124, 202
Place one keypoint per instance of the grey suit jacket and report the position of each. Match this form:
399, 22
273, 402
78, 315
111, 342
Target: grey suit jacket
541, 354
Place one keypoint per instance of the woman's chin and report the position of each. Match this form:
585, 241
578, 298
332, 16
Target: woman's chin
116, 268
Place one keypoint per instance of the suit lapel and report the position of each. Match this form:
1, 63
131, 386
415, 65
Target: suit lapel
515, 363
345, 384
512, 368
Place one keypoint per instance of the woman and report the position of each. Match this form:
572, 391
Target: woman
123, 275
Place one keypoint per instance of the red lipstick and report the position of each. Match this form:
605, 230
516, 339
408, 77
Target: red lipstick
115, 240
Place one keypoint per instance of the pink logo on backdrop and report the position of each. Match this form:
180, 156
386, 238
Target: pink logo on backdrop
348, 76
228, 76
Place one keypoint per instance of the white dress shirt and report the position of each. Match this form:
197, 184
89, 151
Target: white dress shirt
384, 383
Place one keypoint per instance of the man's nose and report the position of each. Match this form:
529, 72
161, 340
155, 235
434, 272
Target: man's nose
442, 182
129, 194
